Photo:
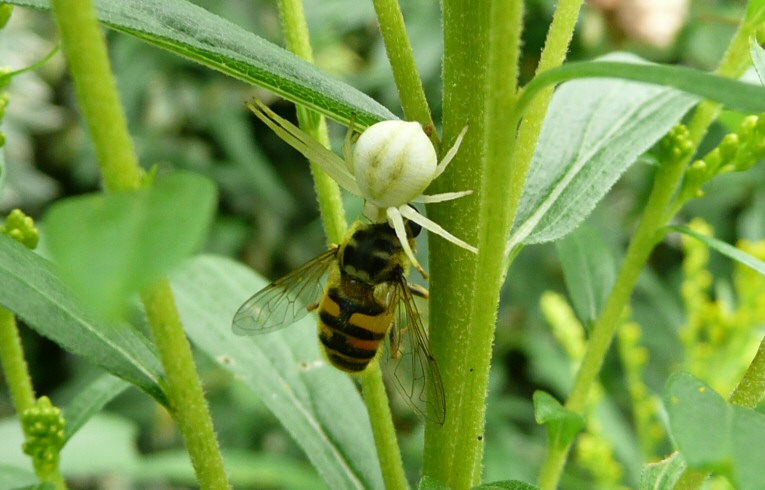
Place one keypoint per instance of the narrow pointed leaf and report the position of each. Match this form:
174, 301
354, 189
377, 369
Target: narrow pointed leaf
562, 424
31, 289
728, 250
194, 33
319, 406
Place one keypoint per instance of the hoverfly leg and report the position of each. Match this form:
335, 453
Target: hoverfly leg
312, 307
418, 290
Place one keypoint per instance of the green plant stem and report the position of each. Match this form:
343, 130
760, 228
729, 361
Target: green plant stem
479, 89
19, 381
657, 214
333, 215
85, 48
667, 179
14, 364
556, 46
376, 399
187, 401
328, 194
402, 62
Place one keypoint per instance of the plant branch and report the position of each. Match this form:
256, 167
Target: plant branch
402, 62
328, 194
85, 48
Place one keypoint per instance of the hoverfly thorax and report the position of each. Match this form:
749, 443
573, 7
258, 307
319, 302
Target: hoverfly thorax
373, 254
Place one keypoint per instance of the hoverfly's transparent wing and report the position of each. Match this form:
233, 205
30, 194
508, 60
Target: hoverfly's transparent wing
286, 300
409, 363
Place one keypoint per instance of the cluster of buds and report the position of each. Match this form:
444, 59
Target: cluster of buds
44, 428
737, 152
21, 228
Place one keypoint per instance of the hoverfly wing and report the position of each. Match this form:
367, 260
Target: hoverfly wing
286, 300
410, 363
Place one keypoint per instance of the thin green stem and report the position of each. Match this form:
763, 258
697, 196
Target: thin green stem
85, 48
14, 364
19, 381
376, 399
333, 214
657, 214
654, 218
402, 62
84, 45
327, 191
184, 390
556, 46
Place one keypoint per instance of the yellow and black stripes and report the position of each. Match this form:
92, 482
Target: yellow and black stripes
351, 330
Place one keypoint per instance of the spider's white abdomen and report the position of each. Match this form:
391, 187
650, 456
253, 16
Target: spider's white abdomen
393, 162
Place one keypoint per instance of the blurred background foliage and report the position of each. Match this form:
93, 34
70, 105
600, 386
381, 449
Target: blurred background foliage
184, 116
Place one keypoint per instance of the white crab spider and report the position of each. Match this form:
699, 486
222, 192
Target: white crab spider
392, 165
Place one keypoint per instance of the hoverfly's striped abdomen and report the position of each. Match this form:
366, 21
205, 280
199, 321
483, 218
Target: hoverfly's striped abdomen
351, 328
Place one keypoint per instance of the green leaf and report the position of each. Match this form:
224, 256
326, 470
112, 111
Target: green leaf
728, 250
319, 405
507, 485
713, 434
733, 94
90, 401
593, 131
11, 476
246, 469
664, 474
562, 424
194, 33
755, 12
110, 246
589, 270
758, 59
31, 289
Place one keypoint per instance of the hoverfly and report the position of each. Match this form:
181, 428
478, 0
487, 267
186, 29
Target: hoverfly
367, 302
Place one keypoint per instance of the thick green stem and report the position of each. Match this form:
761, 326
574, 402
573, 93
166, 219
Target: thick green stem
402, 62
327, 191
479, 89
376, 399
85, 48
184, 391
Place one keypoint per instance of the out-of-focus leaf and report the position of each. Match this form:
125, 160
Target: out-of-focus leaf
589, 271
31, 289
662, 475
594, 130
90, 401
246, 469
507, 485
196, 34
11, 477
316, 403
713, 434
562, 424
111, 246
728, 250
